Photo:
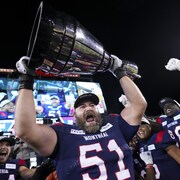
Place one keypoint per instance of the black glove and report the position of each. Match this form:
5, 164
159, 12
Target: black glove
46, 168
26, 75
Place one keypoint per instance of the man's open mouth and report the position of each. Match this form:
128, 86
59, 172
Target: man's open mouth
90, 119
3, 154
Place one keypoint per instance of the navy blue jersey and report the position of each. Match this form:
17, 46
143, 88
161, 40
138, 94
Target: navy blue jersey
10, 169
172, 125
58, 111
165, 166
103, 155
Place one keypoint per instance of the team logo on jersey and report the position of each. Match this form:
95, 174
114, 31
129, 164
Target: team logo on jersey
164, 123
106, 127
177, 117
151, 147
10, 166
75, 131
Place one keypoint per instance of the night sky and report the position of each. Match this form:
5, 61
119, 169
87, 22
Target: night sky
144, 31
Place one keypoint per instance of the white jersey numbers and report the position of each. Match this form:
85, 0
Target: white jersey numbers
95, 160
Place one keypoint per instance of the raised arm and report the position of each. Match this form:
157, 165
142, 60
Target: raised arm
137, 104
41, 137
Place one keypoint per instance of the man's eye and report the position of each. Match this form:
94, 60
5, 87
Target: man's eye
81, 107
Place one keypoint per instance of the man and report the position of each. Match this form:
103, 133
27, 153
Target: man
17, 168
143, 161
12, 168
171, 118
95, 148
165, 154
56, 109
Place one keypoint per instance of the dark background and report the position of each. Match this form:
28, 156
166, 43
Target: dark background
144, 31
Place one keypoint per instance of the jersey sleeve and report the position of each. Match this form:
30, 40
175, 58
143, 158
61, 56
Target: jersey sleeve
127, 130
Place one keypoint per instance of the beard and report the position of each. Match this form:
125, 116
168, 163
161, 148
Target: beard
91, 128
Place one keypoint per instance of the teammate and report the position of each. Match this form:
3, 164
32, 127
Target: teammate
12, 168
143, 161
166, 155
171, 118
95, 148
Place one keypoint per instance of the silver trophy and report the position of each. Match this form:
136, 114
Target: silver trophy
61, 45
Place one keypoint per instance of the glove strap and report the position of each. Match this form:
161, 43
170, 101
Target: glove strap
26, 81
120, 72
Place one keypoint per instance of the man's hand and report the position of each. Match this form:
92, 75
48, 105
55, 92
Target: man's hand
122, 68
26, 75
22, 66
146, 157
173, 64
116, 67
116, 62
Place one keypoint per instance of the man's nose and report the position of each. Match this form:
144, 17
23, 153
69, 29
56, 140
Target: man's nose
88, 108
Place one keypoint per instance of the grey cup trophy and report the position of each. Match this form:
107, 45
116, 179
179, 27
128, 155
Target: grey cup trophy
61, 45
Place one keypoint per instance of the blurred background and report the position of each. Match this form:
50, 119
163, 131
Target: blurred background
144, 31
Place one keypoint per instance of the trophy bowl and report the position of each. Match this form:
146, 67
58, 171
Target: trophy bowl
59, 45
